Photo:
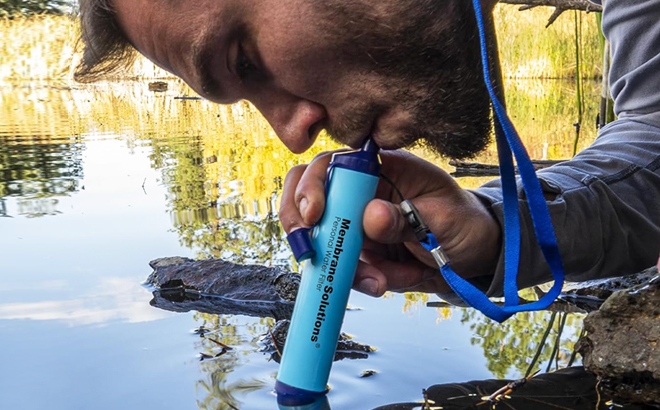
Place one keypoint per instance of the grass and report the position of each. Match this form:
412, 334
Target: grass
529, 50
42, 47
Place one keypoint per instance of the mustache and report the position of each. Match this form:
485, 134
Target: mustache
354, 123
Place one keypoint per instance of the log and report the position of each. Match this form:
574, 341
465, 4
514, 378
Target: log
559, 5
476, 169
583, 5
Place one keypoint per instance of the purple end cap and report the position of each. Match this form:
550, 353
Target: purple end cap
301, 244
364, 160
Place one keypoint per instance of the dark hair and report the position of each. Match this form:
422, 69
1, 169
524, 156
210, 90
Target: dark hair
105, 48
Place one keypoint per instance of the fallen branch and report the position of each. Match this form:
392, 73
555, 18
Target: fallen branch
466, 169
559, 5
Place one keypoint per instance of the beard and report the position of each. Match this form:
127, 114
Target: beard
426, 55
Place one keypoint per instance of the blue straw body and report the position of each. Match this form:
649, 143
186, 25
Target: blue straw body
326, 282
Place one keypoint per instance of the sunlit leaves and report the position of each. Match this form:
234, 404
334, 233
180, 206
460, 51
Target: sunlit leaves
15, 8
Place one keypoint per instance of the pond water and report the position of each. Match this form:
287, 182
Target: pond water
97, 181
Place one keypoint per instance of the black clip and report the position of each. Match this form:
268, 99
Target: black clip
414, 219
423, 233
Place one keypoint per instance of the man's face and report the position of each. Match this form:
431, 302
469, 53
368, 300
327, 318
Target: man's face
400, 70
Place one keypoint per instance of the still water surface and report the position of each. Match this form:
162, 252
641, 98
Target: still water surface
97, 181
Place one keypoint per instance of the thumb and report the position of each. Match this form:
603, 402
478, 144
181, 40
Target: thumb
385, 223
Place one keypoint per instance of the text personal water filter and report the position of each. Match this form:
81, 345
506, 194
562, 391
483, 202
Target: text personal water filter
327, 275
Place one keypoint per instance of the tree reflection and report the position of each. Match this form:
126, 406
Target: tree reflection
215, 390
37, 169
41, 151
209, 214
528, 338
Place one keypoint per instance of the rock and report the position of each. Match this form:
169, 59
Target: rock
589, 295
570, 389
621, 343
347, 348
222, 278
604, 288
368, 373
475, 169
221, 287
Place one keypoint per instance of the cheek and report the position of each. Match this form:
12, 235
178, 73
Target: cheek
300, 59
310, 66
307, 74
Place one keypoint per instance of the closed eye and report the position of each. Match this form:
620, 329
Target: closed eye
245, 68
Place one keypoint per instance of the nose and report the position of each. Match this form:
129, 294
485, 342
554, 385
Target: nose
295, 120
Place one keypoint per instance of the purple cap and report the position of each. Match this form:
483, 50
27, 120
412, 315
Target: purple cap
301, 244
364, 160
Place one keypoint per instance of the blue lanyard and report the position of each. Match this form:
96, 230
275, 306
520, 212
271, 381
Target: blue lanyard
508, 142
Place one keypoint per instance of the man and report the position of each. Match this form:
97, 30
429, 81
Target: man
407, 71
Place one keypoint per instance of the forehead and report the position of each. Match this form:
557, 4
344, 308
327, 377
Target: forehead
149, 22
172, 33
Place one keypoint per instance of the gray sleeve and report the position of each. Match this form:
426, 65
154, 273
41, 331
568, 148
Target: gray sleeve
633, 29
606, 212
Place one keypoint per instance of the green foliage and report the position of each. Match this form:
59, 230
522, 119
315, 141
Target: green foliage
529, 50
16, 8
525, 343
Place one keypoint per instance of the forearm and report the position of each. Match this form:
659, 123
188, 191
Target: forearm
606, 212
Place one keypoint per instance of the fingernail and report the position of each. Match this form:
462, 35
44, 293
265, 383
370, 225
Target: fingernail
303, 206
369, 286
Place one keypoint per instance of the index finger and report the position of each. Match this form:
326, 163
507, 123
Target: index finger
303, 194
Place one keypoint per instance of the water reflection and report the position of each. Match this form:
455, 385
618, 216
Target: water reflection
222, 350
520, 345
209, 176
112, 299
38, 169
219, 163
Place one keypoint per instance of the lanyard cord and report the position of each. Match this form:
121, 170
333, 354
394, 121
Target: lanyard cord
508, 142
508, 146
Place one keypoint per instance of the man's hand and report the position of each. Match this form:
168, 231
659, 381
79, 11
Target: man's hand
392, 258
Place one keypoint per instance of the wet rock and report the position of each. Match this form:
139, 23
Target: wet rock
621, 343
475, 169
222, 278
221, 287
588, 296
604, 288
347, 348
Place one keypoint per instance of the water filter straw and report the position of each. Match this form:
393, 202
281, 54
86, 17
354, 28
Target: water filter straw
327, 277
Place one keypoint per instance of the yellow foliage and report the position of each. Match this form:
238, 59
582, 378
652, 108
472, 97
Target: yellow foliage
242, 159
42, 47
36, 48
